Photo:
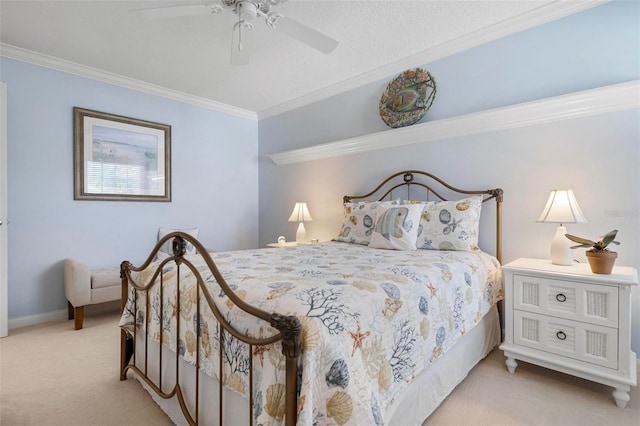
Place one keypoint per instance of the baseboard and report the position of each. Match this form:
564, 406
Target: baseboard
61, 314
37, 319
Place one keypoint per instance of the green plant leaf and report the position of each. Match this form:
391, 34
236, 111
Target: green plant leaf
582, 246
609, 237
582, 241
599, 245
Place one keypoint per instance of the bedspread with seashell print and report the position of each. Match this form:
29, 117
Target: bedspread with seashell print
372, 320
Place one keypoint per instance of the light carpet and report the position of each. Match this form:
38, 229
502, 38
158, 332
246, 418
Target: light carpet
51, 374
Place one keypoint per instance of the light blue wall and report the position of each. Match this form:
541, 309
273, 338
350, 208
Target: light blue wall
598, 157
214, 169
591, 49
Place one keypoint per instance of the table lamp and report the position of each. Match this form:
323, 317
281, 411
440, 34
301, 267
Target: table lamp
300, 214
562, 207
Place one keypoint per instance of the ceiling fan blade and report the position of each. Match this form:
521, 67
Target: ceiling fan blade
306, 35
176, 11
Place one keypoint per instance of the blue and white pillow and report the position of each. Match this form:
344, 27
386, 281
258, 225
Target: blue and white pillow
397, 227
450, 225
359, 220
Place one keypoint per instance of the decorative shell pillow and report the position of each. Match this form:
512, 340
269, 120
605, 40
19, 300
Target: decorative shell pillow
397, 227
450, 225
359, 220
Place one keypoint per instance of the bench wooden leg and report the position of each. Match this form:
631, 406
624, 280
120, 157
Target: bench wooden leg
79, 316
70, 310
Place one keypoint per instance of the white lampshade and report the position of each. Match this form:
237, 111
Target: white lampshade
300, 214
562, 207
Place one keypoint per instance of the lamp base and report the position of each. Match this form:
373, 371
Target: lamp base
301, 234
561, 248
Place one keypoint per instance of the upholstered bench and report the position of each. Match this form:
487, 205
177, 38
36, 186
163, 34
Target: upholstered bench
83, 287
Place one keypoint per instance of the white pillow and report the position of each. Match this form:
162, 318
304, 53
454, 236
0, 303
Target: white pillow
167, 248
397, 227
450, 225
359, 220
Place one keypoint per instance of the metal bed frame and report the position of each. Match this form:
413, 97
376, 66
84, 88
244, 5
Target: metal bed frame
289, 327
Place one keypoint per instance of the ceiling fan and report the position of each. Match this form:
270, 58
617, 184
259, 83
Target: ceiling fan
247, 11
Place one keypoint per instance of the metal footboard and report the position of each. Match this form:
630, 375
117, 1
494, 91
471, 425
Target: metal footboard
288, 326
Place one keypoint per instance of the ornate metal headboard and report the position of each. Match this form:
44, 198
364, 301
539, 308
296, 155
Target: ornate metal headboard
427, 181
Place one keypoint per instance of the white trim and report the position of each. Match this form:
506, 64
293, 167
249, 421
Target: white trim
617, 97
58, 64
536, 17
4, 212
37, 319
99, 308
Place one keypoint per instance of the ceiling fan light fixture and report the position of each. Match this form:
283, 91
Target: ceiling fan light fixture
246, 11
216, 9
271, 19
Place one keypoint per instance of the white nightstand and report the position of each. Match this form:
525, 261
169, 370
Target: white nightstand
568, 319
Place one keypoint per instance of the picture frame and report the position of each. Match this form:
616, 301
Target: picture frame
118, 158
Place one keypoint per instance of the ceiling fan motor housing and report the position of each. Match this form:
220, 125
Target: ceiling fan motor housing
249, 9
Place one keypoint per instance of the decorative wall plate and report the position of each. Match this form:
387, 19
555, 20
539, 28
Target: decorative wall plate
407, 98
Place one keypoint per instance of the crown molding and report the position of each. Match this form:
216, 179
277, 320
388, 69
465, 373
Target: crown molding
617, 97
524, 21
63, 65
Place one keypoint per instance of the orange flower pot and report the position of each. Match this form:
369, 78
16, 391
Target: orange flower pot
601, 262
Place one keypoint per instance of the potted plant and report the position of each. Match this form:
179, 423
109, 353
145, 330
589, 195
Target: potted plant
600, 258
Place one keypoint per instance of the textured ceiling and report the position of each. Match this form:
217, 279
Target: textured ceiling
191, 54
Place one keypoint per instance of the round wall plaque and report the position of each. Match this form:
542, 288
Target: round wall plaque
407, 98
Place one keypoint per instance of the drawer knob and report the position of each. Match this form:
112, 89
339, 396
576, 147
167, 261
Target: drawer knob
561, 297
561, 335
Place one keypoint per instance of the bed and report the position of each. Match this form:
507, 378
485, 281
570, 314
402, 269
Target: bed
375, 327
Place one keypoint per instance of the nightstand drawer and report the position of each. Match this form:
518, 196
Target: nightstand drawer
585, 342
595, 304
